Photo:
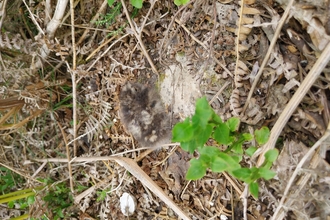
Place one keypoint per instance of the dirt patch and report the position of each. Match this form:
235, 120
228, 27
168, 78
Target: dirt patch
180, 88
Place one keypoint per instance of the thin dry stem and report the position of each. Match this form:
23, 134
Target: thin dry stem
67, 155
106, 51
191, 35
18, 172
74, 86
138, 36
3, 13
25, 120
233, 183
314, 73
94, 19
100, 47
238, 43
136, 171
219, 92
298, 169
170, 26
33, 19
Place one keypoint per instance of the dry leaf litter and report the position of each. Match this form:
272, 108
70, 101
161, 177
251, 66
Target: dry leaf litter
206, 48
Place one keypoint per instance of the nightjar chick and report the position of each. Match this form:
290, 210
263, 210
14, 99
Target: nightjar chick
143, 115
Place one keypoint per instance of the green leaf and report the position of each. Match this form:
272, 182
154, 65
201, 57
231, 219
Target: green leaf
205, 159
186, 146
59, 212
11, 204
233, 124
189, 146
221, 134
224, 162
267, 164
271, 155
236, 147
247, 136
137, 3
250, 151
110, 2
30, 200
262, 135
219, 165
210, 151
254, 174
254, 189
266, 173
182, 131
23, 205
216, 118
101, 195
237, 158
202, 135
203, 113
243, 174
180, 2
196, 170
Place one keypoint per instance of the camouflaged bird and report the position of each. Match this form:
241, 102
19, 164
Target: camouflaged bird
143, 115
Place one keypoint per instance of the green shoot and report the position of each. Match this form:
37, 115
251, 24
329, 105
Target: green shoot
195, 131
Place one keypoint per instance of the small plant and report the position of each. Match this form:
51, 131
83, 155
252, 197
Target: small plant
194, 132
180, 2
58, 197
19, 199
22, 198
137, 3
102, 194
110, 17
9, 180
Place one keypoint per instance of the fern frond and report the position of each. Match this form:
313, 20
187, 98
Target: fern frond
241, 70
15, 42
96, 124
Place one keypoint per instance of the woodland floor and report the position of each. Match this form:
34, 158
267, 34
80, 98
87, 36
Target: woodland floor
212, 48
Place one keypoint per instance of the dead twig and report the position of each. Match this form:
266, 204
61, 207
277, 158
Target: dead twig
312, 150
131, 166
270, 50
137, 34
67, 155
170, 26
294, 102
74, 88
191, 35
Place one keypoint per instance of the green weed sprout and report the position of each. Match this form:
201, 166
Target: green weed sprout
9, 181
56, 196
101, 195
194, 132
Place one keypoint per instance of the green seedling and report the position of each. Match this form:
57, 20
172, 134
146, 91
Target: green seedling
58, 197
137, 3
102, 194
180, 2
19, 199
110, 17
205, 124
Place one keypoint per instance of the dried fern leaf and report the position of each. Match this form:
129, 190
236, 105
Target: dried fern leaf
95, 125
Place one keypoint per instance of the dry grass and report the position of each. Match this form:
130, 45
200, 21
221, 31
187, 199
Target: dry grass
61, 73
